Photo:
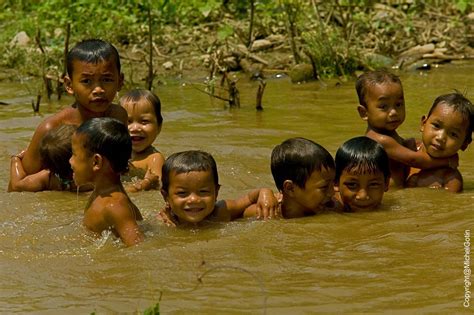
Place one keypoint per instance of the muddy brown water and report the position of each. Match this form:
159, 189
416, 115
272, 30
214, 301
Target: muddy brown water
406, 258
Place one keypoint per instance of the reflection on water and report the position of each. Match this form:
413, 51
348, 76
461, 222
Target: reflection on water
407, 258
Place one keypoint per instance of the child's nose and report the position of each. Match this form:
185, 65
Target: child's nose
98, 89
193, 198
362, 194
441, 135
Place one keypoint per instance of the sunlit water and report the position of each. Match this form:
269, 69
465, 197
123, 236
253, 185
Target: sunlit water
406, 258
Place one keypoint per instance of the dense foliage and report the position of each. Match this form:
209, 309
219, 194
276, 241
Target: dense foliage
334, 35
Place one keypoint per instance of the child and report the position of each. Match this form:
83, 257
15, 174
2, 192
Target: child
144, 125
94, 78
382, 105
446, 129
101, 148
55, 151
190, 188
362, 174
304, 175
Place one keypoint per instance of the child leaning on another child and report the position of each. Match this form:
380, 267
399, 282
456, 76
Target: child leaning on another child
445, 130
55, 152
382, 106
93, 78
303, 172
144, 125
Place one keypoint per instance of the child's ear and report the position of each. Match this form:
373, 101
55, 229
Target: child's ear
121, 79
387, 184
288, 186
68, 85
362, 112
97, 162
423, 122
466, 143
164, 193
217, 189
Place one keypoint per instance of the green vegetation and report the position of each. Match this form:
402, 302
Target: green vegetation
336, 37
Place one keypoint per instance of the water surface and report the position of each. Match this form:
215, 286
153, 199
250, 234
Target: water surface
406, 258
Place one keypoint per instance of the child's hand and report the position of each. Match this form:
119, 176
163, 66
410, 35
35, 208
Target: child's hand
166, 217
268, 206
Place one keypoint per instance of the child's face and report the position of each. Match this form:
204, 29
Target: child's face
142, 124
191, 196
362, 192
318, 190
81, 161
94, 85
385, 109
444, 132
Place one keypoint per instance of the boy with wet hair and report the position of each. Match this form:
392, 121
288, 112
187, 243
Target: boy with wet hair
101, 148
445, 130
362, 174
304, 176
93, 78
55, 151
382, 106
190, 188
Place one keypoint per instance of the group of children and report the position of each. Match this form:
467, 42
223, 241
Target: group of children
88, 146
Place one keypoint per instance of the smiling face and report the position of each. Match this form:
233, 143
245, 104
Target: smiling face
362, 192
385, 109
191, 196
94, 85
318, 190
81, 161
444, 132
142, 124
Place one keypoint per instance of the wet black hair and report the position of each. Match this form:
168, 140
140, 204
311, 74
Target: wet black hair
188, 161
92, 51
371, 78
108, 137
459, 103
55, 150
296, 159
362, 155
137, 94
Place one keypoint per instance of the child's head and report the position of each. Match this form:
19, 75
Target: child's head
144, 117
94, 76
190, 185
303, 170
448, 126
55, 150
92, 51
381, 100
362, 173
96, 140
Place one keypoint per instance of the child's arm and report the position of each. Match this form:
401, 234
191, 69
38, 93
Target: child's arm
453, 181
31, 159
121, 217
262, 203
151, 180
418, 159
20, 181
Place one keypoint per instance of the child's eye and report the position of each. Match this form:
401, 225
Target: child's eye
351, 186
181, 193
375, 185
144, 122
435, 125
204, 192
399, 105
454, 135
108, 80
383, 106
85, 81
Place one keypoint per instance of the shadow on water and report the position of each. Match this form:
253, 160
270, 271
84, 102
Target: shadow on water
407, 258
